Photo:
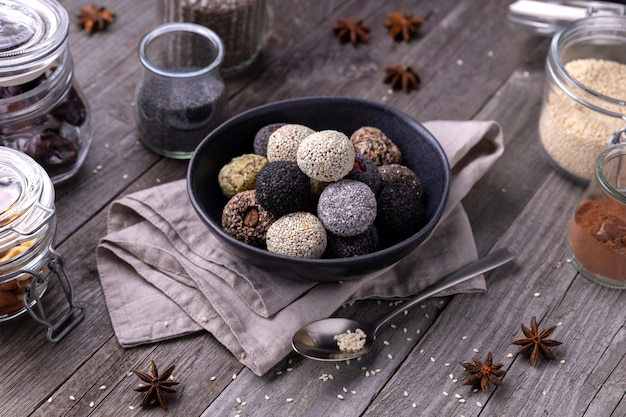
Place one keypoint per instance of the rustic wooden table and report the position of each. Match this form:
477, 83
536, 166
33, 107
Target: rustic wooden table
472, 66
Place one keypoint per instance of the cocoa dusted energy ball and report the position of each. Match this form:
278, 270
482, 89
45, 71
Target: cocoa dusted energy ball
262, 137
365, 170
240, 174
245, 219
400, 213
399, 173
372, 142
281, 187
347, 246
326, 156
283, 143
347, 207
299, 234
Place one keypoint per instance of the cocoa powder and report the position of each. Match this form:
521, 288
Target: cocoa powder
597, 237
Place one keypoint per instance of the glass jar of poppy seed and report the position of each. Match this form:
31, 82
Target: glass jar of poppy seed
181, 95
29, 265
43, 112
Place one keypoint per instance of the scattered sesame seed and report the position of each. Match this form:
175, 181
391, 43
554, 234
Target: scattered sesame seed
414, 405
459, 62
418, 331
455, 380
393, 326
457, 396
426, 316
545, 392
479, 404
158, 180
367, 373
384, 98
405, 330
337, 366
166, 323
238, 400
204, 319
344, 389
490, 54
386, 343
462, 400
464, 338
289, 400
91, 404
340, 396
267, 397
353, 392
509, 355
526, 74
95, 171
50, 399
106, 145
405, 394
537, 294
409, 339
212, 378
445, 393
475, 390
72, 398
390, 356
432, 359
103, 387
475, 350
125, 176
451, 376
421, 350
289, 369
559, 323
447, 364
279, 372
562, 361
131, 407
406, 312
234, 376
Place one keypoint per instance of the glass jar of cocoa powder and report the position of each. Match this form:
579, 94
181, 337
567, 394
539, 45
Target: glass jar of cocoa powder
584, 100
596, 238
28, 263
43, 112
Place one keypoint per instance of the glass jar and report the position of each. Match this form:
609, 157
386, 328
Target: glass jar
181, 96
238, 23
584, 101
28, 262
43, 112
596, 239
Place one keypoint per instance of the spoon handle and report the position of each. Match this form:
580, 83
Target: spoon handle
482, 265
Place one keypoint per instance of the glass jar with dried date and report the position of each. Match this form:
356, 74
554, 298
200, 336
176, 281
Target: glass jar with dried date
43, 112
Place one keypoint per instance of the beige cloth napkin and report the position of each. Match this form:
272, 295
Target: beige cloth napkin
164, 275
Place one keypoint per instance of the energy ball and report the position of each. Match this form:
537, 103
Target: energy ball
262, 136
365, 170
282, 188
399, 173
282, 145
326, 156
245, 219
401, 213
347, 207
348, 246
240, 174
299, 234
372, 142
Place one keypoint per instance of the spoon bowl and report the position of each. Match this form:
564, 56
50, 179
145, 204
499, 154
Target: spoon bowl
317, 341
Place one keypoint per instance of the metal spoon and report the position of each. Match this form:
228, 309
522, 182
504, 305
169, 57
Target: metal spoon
316, 340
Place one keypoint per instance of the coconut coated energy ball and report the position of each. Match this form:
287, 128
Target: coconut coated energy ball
282, 145
326, 156
299, 234
245, 219
240, 174
282, 188
347, 207
372, 142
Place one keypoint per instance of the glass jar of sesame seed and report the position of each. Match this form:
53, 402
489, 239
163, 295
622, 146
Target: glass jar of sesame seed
584, 101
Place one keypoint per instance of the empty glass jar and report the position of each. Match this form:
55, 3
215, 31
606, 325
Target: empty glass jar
181, 96
43, 112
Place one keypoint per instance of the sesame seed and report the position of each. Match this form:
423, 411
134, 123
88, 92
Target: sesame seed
405, 394
166, 324
405, 330
234, 376
390, 356
367, 373
475, 350
204, 319
238, 400
414, 405
479, 404
544, 392
289, 369
279, 372
50, 399
386, 343
131, 407
267, 397
353, 392
418, 331
91, 404
464, 338
451, 376
345, 389
509, 355
406, 312
103, 387
462, 400
459, 62
125, 176
337, 366
445, 393
490, 54
455, 380
457, 396
562, 361
289, 400
212, 378
72, 398
340, 396
432, 359
537, 294
447, 364
559, 323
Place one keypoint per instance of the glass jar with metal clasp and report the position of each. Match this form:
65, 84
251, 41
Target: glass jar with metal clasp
28, 262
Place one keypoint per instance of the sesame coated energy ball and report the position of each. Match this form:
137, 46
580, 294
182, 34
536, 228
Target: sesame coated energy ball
372, 142
326, 156
399, 173
347, 207
240, 174
281, 187
347, 246
245, 219
400, 214
262, 137
282, 145
299, 234
365, 170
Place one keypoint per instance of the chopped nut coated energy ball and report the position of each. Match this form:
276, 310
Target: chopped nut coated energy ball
299, 234
245, 219
372, 142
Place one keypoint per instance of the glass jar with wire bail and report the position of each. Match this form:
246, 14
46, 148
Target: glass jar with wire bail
43, 112
584, 100
28, 262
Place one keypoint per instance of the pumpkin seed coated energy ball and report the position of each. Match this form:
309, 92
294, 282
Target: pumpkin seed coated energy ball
283, 143
372, 142
299, 234
240, 174
347, 207
282, 188
326, 156
245, 220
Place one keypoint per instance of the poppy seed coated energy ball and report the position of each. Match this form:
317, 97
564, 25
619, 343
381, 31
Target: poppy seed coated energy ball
399, 173
282, 188
240, 174
400, 214
347, 207
365, 170
245, 220
299, 234
347, 246
372, 142
262, 137
326, 156
282, 145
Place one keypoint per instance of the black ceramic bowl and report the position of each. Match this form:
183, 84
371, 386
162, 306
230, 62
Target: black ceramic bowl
420, 151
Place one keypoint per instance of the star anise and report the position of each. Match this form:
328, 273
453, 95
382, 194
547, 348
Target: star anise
482, 373
349, 31
94, 18
401, 78
155, 385
536, 342
402, 25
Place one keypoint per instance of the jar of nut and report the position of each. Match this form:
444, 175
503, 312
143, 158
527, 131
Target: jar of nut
42, 110
584, 101
28, 262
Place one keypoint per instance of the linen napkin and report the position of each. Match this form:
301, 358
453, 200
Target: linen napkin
164, 275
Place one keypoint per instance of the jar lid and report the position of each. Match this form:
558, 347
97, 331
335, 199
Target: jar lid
546, 17
26, 197
33, 32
